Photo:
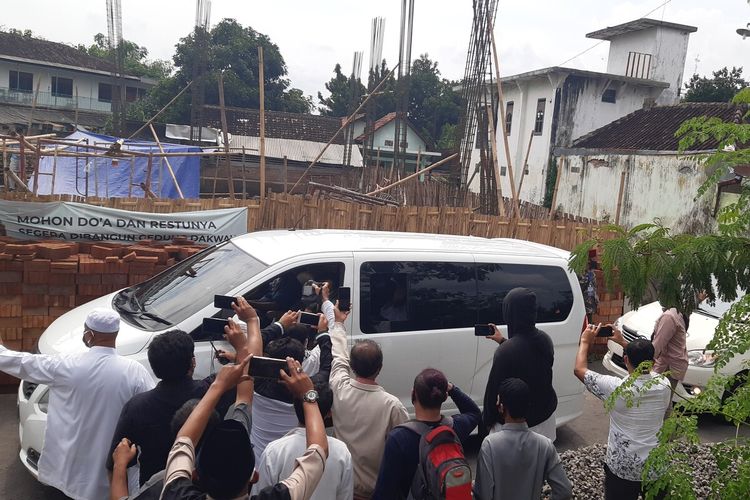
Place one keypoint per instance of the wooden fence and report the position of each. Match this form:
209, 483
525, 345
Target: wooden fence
283, 211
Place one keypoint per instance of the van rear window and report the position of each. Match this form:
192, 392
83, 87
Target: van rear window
554, 297
415, 296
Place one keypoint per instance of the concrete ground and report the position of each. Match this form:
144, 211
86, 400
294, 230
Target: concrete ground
16, 483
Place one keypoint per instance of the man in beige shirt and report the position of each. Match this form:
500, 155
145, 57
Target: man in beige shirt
670, 351
363, 412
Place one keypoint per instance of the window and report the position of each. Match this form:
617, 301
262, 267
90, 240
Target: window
21, 81
638, 65
174, 295
388, 142
609, 95
503, 170
133, 94
508, 116
554, 297
539, 120
62, 87
105, 92
414, 296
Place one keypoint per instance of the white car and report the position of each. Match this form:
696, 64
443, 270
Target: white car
703, 321
418, 295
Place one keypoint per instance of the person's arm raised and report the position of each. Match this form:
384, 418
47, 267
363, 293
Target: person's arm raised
582, 358
298, 384
244, 346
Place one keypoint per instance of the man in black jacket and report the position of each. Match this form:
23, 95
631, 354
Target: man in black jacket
528, 354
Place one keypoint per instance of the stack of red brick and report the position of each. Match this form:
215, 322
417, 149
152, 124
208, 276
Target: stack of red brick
611, 302
40, 281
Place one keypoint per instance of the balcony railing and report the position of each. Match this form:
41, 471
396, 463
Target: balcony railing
49, 100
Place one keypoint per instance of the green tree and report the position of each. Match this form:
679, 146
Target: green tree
680, 266
232, 48
721, 88
135, 58
345, 94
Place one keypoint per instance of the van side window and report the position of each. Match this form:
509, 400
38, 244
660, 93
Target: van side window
554, 297
414, 296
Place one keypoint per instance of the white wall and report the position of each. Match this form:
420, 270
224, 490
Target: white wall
387, 132
643, 41
656, 186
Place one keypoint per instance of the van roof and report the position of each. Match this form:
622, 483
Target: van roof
275, 246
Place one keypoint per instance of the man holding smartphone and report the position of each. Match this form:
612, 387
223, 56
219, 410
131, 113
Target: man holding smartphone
632, 427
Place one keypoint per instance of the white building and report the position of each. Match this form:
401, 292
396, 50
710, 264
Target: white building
384, 130
551, 107
638, 154
66, 78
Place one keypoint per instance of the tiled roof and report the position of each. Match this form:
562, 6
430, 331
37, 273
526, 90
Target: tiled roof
279, 125
653, 129
35, 49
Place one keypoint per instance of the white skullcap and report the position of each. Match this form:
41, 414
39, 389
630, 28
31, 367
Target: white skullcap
103, 320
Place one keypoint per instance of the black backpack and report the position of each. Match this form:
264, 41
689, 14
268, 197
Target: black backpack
443, 472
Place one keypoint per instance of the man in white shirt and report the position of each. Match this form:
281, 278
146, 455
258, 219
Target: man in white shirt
632, 427
277, 460
87, 393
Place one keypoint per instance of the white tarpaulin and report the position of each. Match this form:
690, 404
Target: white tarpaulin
67, 221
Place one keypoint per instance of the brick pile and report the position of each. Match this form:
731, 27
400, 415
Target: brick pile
40, 281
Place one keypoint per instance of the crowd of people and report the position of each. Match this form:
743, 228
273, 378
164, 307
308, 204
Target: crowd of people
112, 433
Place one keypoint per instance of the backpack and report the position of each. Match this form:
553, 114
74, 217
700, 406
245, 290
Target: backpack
443, 472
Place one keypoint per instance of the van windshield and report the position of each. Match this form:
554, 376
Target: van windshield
172, 296
719, 307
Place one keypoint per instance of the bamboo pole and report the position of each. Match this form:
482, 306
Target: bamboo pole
149, 171
161, 111
415, 174
169, 166
553, 207
343, 126
54, 175
18, 181
5, 167
36, 173
619, 198
496, 165
75, 120
286, 175
262, 87
244, 176
225, 135
501, 105
525, 165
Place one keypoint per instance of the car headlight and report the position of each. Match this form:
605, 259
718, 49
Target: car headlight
702, 358
44, 402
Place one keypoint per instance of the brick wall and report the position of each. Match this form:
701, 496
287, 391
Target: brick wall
40, 281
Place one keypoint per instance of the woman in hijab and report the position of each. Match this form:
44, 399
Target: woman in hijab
527, 354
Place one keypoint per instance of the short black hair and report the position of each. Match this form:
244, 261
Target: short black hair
366, 358
171, 355
286, 347
325, 402
183, 412
299, 332
515, 396
638, 351
431, 388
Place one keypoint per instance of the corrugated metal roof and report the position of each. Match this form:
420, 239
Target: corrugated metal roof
296, 150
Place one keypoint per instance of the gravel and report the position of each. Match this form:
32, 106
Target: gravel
586, 473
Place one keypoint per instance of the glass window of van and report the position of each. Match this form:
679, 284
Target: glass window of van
175, 294
414, 296
554, 297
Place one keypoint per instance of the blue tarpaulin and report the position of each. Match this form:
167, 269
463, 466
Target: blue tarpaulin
110, 177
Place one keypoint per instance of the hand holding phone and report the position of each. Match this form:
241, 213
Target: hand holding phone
222, 360
224, 301
214, 327
267, 367
483, 330
605, 331
310, 319
345, 299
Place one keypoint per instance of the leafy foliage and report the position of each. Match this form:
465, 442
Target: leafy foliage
135, 58
231, 48
345, 94
721, 88
679, 266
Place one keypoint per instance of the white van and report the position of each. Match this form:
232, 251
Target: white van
449, 284
703, 322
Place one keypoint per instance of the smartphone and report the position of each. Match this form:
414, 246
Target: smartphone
605, 331
214, 327
267, 367
224, 301
306, 318
345, 298
483, 330
221, 360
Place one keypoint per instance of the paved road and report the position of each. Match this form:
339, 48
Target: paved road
16, 483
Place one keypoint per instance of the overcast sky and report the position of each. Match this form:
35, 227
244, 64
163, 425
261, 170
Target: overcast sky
314, 35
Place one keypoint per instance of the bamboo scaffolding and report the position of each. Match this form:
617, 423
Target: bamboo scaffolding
415, 174
161, 111
225, 134
169, 166
262, 86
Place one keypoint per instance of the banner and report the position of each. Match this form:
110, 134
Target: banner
67, 221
